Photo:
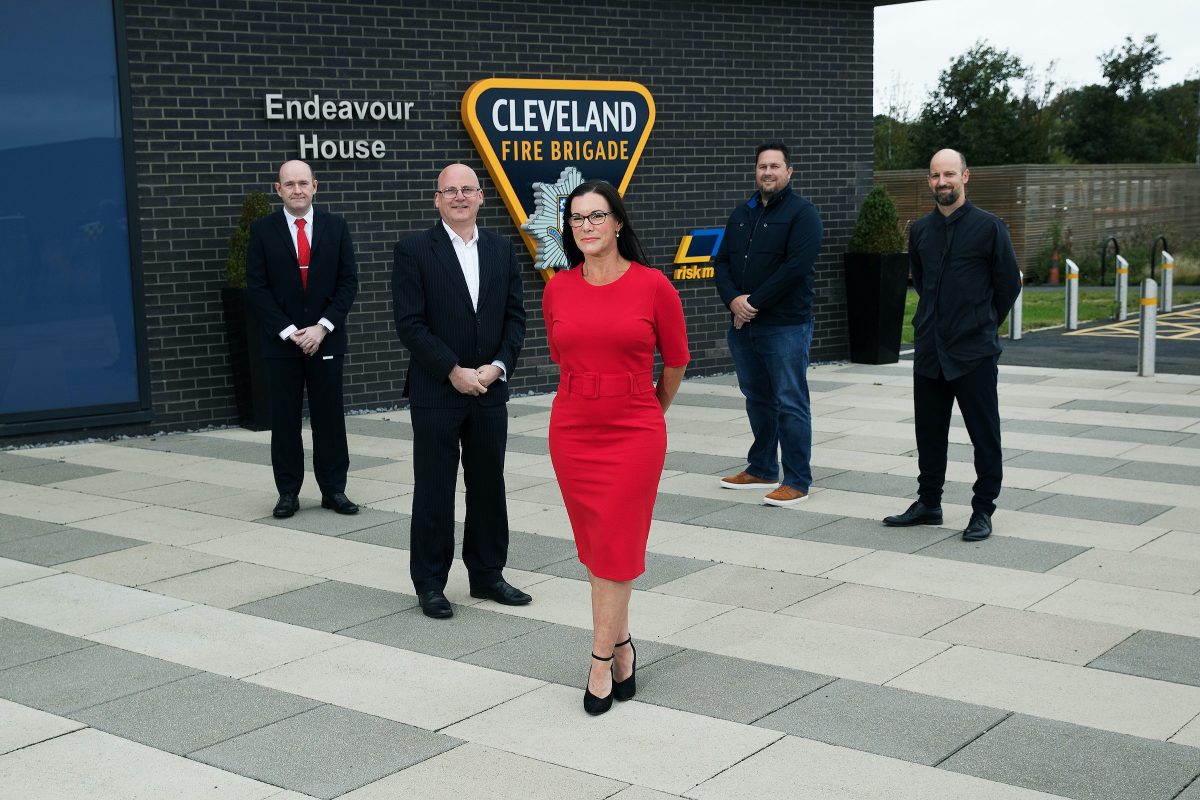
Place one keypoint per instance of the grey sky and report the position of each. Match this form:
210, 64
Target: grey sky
914, 42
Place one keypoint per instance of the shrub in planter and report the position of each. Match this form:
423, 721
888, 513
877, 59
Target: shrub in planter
876, 281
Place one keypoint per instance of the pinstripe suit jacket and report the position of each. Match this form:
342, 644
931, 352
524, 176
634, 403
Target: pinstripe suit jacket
437, 323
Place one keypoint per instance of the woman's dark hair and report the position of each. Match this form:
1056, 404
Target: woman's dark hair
628, 244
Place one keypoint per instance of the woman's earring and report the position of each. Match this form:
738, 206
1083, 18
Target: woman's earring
618, 234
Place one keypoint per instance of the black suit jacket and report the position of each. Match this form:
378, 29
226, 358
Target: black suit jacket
438, 325
273, 280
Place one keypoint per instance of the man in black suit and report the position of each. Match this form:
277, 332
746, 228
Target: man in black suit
302, 278
965, 271
457, 292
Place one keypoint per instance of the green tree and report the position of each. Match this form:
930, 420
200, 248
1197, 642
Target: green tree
1127, 70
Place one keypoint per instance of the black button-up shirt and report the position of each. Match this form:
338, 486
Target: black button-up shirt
965, 271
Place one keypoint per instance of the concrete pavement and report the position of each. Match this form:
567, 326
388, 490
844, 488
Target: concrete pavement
162, 637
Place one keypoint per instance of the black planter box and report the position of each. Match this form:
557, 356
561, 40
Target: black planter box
876, 286
244, 334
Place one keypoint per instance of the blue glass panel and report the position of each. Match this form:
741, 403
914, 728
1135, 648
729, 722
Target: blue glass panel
66, 323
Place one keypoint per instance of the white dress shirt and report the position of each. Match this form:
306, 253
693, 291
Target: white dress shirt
468, 260
308, 231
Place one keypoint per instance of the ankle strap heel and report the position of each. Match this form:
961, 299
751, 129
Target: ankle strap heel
626, 689
597, 705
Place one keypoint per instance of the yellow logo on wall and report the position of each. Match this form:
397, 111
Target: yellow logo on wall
541, 138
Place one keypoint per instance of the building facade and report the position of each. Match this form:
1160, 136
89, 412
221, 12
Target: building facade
147, 123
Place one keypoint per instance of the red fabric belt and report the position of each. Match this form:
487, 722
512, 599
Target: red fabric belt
617, 384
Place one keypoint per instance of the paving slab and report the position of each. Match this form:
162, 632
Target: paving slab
762, 519
389, 534
325, 752
57, 505
166, 525
53, 472
880, 609
1152, 654
704, 463
471, 770
329, 606
874, 535
557, 654
293, 551
472, 629
22, 528
1143, 569
13, 572
891, 722
1135, 435
1063, 462
99, 766
399, 685
660, 569
1029, 633
26, 643
232, 584
21, 726
328, 523
682, 508
1065, 692
67, 544
1163, 473
1175, 544
1126, 511
85, 677
136, 566
794, 767
798, 556
647, 745
1029, 555
746, 587
1130, 606
1027, 751
532, 551
722, 687
76, 605
192, 713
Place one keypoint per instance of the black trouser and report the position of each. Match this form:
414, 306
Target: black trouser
438, 434
933, 399
289, 377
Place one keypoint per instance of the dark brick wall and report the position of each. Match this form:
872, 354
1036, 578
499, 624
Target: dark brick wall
724, 77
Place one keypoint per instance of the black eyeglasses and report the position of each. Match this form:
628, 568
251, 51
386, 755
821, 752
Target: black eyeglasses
451, 191
596, 218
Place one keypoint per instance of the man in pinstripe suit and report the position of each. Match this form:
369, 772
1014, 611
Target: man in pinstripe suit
457, 296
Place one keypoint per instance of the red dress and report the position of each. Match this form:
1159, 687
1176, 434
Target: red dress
608, 437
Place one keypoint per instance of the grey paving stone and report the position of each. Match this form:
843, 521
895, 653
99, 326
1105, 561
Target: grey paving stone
1158, 473
532, 551
704, 464
763, 519
330, 606
874, 534
1010, 498
325, 752
711, 401
1018, 377
824, 386
389, 534
1174, 410
314, 519
556, 653
14, 462
729, 379
1077, 762
966, 453
66, 683
533, 445
681, 508
1153, 654
203, 446
878, 719
381, 428
471, 629
1128, 512
1190, 441
193, 713
1114, 406
53, 472
22, 644
22, 528
1029, 555
1133, 435
660, 569
61, 546
516, 409
1064, 462
871, 483
723, 687
1041, 427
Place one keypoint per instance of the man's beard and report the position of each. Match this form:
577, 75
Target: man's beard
948, 199
766, 196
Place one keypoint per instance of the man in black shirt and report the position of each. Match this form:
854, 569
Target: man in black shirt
965, 272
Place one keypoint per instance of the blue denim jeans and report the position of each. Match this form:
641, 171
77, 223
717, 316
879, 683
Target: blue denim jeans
772, 367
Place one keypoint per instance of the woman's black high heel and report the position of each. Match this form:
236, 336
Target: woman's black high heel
598, 705
626, 689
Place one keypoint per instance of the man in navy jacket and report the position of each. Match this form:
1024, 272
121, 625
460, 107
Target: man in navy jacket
302, 279
965, 271
457, 296
764, 274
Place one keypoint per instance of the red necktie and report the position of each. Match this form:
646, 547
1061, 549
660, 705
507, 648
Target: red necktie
302, 252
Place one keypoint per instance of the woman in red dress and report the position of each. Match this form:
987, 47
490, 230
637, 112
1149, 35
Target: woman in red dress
608, 437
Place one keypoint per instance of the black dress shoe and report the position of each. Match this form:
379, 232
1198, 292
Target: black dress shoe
918, 514
339, 503
434, 604
502, 592
626, 689
979, 528
288, 504
597, 705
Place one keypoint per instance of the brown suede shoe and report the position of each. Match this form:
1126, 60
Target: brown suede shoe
744, 480
785, 496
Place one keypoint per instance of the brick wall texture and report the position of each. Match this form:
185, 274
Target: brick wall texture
724, 77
